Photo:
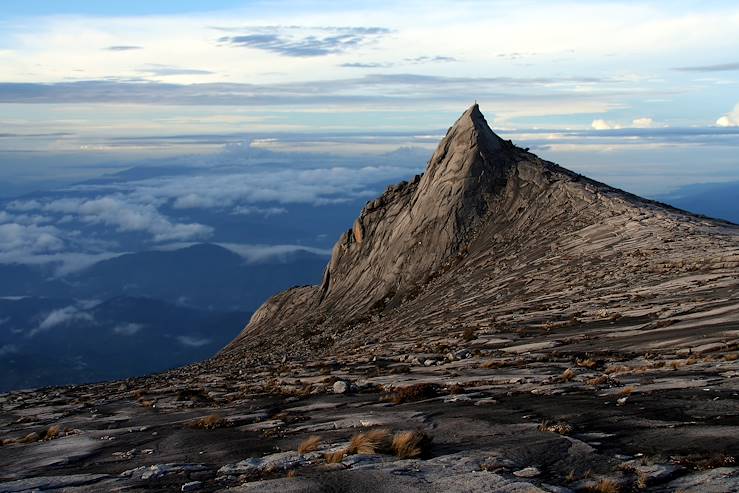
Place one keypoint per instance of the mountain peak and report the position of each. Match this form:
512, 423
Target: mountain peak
484, 216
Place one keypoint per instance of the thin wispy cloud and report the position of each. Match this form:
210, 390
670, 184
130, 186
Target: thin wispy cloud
123, 48
720, 67
166, 70
296, 41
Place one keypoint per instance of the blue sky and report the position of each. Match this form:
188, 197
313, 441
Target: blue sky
644, 95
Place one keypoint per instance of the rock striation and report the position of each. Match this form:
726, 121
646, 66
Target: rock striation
484, 217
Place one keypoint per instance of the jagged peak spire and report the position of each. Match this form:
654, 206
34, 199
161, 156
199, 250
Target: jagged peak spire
472, 120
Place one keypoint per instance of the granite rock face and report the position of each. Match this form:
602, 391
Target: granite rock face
488, 207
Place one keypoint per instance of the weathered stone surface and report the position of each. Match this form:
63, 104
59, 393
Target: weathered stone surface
545, 298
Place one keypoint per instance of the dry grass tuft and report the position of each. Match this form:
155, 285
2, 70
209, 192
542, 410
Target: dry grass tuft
605, 486
208, 422
491, 363
556, 427
731, 357
617, 369
589, 363
411, 444
456, 389
626, 391
53, 432
310, 444
415, 392
599, 380
567, 375
371, 442
335, 457
468, 334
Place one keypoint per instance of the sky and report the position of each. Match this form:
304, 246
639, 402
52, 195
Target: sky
643, 95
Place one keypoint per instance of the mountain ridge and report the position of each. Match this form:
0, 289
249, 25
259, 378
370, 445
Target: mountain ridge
480, 195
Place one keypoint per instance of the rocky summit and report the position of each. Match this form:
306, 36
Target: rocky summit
498, 323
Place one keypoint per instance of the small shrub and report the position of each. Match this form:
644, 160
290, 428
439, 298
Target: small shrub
411, 444
208, 422
605, 486
731, 357
589, 363
456, 389
599, 380
568, 375
415, 392
626, 391
399, 369
310, 444
491, 363
52, 433
556, 427
468, 334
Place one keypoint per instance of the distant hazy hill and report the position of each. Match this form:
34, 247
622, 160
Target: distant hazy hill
46, 341
720, 200
206, 276
202, 276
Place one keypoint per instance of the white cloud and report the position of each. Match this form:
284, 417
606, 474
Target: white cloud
730, 119
61, 316
247, 210
643, 123
121, 213
260, 253
7, 349
127, 329
192, 341
604, 125
30, 238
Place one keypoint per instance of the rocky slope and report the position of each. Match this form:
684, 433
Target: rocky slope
492, 234
498, 324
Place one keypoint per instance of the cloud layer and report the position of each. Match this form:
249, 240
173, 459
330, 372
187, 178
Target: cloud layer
296, 41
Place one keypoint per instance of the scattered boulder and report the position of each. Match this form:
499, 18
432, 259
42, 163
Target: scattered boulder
340, 387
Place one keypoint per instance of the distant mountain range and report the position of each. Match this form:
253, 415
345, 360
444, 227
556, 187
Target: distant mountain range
203, 276
134, 314
55, 341
719, 200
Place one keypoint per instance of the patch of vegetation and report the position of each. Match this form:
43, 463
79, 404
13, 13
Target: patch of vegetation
210, 422
559, 427
411, 444
604, 486
310, 444
700, 462
415, 392
335, 457
371, 442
